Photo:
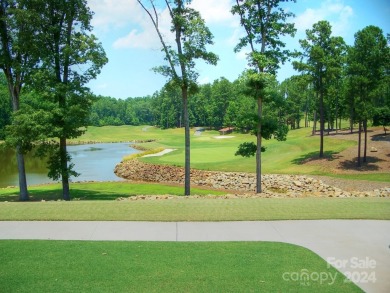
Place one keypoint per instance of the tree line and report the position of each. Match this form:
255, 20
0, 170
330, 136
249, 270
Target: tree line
215, 105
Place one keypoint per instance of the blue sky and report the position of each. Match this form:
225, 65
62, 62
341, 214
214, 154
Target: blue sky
133, 48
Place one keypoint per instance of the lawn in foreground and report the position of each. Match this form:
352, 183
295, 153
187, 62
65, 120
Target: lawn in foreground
77, 266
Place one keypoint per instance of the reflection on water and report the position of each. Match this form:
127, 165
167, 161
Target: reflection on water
93, 162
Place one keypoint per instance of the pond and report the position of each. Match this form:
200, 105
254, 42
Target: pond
94, 162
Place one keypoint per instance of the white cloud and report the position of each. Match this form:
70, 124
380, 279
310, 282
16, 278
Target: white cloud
342, 26
146, 37
308, 18
111, 15
102, 86
114, 13
235, 37
243, 54
335, 11
205, 80
215, 11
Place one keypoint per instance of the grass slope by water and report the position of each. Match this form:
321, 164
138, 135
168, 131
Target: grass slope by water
76, 266
96, 201
100, 191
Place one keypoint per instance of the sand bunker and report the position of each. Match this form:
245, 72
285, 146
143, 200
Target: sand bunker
223, 136
166, 151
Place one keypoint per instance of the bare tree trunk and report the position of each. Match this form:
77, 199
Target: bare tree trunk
23, 192
306, 122
351, 120
365, 141
359, 144
329, 128
64, 170
187, 164
322, 122
258, 152
306, 111
314, 123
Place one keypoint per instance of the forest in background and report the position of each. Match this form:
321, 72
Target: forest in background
224, 104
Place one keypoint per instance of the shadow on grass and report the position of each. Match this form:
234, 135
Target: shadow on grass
54, 195
367, 166
341, 132
314, 156
381, 137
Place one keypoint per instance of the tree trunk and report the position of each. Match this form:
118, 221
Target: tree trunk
306, 112
365, 141
314, 123
329, 128
322, 123
359, 144
259, 141
340, 123
14, 93
187, 164
23, 192
306, 124
351, 120
337, 112
64, 170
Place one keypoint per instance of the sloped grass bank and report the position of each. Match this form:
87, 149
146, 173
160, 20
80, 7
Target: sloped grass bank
100, 191
75, 266
200, 209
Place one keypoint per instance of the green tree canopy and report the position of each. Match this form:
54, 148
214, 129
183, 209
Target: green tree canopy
264, 22
322, 58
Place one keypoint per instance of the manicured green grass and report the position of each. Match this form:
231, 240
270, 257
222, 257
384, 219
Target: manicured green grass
75, 266
96, 201
130, 133
100, 191
209, 153
383, 177
201, 209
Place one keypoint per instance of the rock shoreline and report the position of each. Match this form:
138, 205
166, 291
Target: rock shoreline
82, 142
239, 183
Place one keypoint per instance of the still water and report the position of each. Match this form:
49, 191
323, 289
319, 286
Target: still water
94, 162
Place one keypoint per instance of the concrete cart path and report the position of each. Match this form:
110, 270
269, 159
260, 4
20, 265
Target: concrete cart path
358, 248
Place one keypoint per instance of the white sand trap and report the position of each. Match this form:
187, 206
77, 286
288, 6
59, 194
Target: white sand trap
166, 151
223, 136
